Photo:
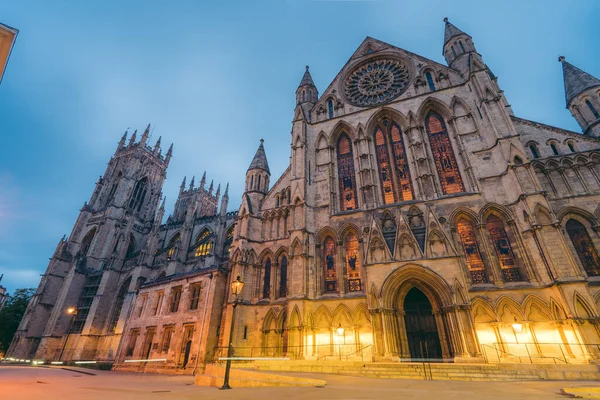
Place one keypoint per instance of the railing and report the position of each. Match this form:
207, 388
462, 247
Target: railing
346, 352
537, 353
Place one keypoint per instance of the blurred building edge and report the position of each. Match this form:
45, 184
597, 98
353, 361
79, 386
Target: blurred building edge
3, 294
8, 36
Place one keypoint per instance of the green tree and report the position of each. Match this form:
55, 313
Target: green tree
11, 315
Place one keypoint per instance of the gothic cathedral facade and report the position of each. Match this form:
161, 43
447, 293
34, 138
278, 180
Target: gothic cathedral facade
418, 218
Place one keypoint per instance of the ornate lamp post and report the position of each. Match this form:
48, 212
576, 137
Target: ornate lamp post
72, 311
236, 289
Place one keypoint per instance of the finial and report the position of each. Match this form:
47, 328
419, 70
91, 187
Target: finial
226, 190
262, 141
132, 140
192, 182
183, 183
561, 58
445, 19
307, 68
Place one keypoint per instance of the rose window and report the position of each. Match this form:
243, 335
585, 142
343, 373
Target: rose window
376, 82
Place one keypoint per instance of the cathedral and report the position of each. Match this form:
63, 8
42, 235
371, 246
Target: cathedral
419, 218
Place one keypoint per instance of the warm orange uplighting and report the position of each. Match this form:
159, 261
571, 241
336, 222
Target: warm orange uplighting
517, 326
71, 310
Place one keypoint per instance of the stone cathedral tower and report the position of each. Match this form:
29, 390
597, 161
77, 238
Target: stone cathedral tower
86, 269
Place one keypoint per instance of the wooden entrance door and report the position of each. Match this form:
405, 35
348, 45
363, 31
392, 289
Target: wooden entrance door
421, 328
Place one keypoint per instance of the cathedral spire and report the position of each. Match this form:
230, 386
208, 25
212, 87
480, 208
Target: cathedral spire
192, 182
122, 141
182, 187
210, 189
169, 154
225, 200
260, 159
157, 145
203, 180
132, 140
576, 80
307, 91
218, 194
459, 50
451, 31
145, 135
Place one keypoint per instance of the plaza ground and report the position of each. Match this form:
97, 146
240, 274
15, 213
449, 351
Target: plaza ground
27, 383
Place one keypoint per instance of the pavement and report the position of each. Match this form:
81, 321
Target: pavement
25, 383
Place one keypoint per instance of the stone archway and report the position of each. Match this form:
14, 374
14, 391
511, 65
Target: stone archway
418, 303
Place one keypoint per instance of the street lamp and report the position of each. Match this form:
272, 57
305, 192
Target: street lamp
72, 311
236, 289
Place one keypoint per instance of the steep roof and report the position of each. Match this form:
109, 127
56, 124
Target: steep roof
260, 159
576, 80
451, 31
306, 79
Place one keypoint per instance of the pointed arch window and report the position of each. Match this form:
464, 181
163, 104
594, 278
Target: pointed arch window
139, 194
453, 51
430, 81
330, 108
385, 171
445, 161
402, 172
119, 305
228, 241
283, 264
346, 175
172, 246
501, 242
86, 243
592, 109
471, 250
352, 263
586, 251
267, 279
460, 43
329, 265
130, 246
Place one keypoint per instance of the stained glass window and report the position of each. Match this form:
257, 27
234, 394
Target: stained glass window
346, 174
471, 249
267, 279
352, 263
385, 172
401, 162
283, 277
330, 108
329, 265
588, 255
430, 81
503, 249
445, 162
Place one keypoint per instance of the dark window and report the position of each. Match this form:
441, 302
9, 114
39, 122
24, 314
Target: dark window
506, 257
133, 335
283, 267
267, 279
430, 81
87, 242
352, 263
166, 339
329, 265
471, 250
330, 108
258, 184
554, 150
245, 332
347, 179
175, 298
139, 194
534, 151
453, 51
90, 288
228, 241
571, 148
445, 162
130, 246
460, 43
592, 109
586, 251
158, 303
119, 305
195, 296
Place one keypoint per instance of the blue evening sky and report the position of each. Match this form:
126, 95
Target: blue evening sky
214, 77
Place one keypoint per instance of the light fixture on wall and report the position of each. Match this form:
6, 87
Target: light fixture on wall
340, 330
517, 326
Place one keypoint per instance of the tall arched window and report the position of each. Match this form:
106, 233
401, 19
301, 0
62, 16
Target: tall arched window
267, 279
139, 194
571, 148
471, 249
119, 305
460, 43
330, 108
443, 155
352, 263
430, 81
402, 172
534, 151
228, 241
347, 178
385, 172
453, 51
283, 264
506, 257
592, 109
87, 242
554, 150
172, 246
258, 184
588, 255
329, 265
130, 246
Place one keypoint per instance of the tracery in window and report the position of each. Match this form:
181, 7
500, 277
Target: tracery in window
171, 246
138, 195
204, 244
430, 81
471, 249
385, 172
503, 249
346, 175
586, 251
267, 279
329, 265
352, 263
283, 264
402, 172
443, 155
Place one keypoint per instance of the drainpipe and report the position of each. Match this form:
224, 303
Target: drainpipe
210, 277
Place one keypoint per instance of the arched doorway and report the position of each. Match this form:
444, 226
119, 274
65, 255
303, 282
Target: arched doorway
421, 328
